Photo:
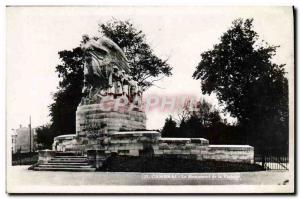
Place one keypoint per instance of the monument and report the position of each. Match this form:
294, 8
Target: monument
110, 120
112, 99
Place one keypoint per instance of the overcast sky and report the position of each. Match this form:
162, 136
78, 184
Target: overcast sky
35, 35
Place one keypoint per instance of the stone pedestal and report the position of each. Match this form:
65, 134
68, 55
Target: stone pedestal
92, 117
94, 123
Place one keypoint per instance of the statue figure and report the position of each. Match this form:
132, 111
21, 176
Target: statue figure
133, 88
125, 84
106, 72
102, 58
116, 79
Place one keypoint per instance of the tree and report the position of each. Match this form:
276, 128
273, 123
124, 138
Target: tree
184, 113
205, 114
240, 71
192, 123
169, 129
146, 68
200, 121
68, 96
45, 136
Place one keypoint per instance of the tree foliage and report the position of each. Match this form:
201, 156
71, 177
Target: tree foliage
169, 129
192, 123
45, 136
146, 67
240, 71
68, 96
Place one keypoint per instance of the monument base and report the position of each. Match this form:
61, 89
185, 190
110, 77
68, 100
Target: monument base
94, 123
140, 144
94, 117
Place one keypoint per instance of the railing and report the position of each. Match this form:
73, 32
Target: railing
273, 162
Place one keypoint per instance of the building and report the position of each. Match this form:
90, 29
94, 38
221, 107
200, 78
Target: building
13, 142
21, 140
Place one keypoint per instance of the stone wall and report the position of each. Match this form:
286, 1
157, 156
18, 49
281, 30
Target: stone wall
145, 143
134, 143
149, 142
226, 153
45, 156
180, 147
230, 153
199, 148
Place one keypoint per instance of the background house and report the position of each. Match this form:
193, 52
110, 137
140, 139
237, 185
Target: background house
21, 140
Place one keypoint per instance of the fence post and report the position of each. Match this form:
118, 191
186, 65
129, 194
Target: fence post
263, 161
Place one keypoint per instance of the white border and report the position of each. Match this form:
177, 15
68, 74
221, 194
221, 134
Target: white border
121, 189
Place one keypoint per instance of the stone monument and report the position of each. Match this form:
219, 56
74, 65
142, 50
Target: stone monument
110, 120
112, 99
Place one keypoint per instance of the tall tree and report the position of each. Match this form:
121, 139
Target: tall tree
146, 68
68, 96
253, 89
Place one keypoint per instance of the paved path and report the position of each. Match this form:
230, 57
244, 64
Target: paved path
20, 175
21, 180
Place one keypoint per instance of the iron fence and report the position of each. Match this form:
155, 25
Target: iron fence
272, 162
24, 158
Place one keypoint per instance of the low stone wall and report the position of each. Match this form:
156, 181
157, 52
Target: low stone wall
45, 156
230, 153
150, 143
133, 143
180, 147
199, 148
140, 143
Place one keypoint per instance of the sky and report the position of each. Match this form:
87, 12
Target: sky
181, 34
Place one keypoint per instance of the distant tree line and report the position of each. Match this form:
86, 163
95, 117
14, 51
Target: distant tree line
206, 122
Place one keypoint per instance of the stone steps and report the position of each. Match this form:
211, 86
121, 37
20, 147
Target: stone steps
74, 163
66, 162
69, 159
73, 154
64, 166
64, 169
75, 157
